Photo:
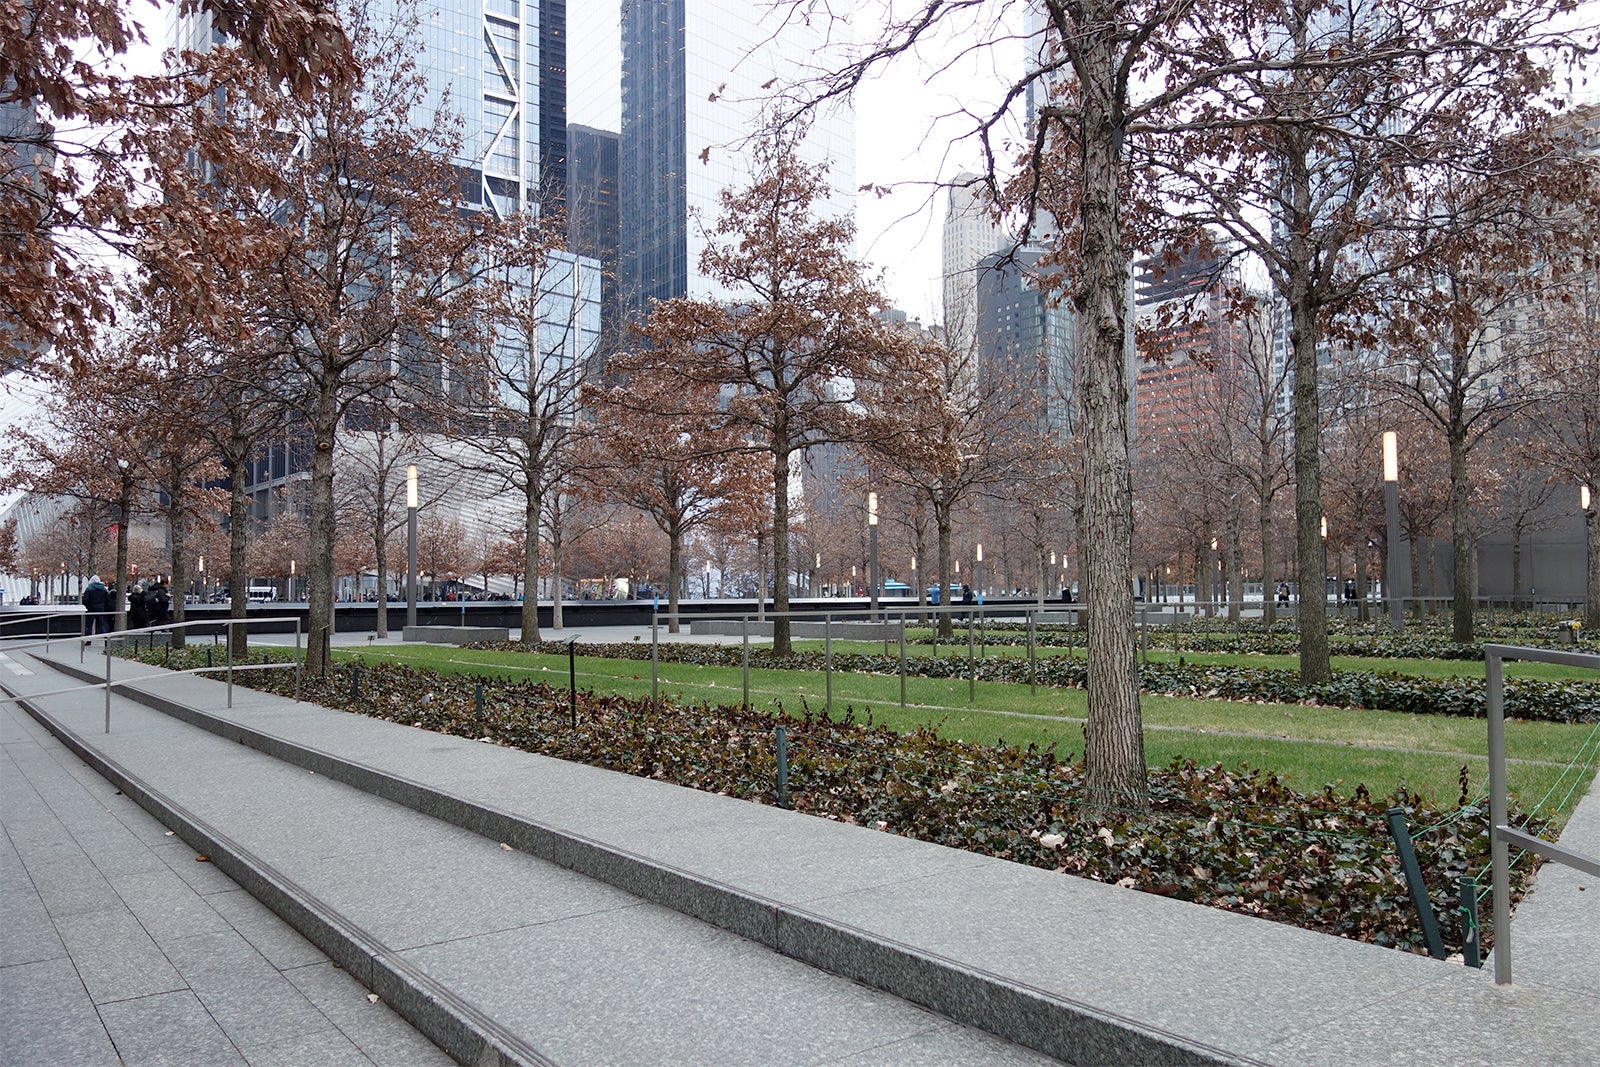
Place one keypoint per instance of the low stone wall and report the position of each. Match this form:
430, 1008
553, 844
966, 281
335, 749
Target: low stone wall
456, 635
843, 631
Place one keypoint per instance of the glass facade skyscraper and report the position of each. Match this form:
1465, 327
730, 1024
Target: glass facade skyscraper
695, 77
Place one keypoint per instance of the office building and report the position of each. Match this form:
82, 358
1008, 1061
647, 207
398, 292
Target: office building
1024, 340
970, 234
593, 221
696, 75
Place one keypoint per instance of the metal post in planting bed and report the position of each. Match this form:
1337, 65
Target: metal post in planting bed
1501, 834
827, 662
780, 738
655, 663
902, 660
1419, 890
745, 660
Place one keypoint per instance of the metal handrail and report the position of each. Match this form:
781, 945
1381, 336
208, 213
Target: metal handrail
85, 640
1502, 835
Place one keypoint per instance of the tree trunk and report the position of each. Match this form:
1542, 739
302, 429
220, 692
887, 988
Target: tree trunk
1233, 586
675, 573
1416, 579
1269, 595
1363, 611
533, 507
1312, 614
943, 521
1115, 771
1516, 565
177, 527
319, 580
781, 643
119, 592
557, 620
1461, 584
238, 531
380, 550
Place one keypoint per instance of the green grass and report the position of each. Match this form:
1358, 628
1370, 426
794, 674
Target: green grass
1311, 746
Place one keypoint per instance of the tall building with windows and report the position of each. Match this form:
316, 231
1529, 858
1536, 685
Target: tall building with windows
696, 75
593, 221
970, 234
1023, 339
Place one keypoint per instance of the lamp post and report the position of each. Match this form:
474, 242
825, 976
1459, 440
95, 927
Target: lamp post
977, 572
411, 545
1391, 508
1324, 580
816, 574
872, 550
1591, 527
205, 597
1214, 595
708, 579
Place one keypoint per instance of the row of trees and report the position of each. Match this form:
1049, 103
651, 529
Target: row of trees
330, 276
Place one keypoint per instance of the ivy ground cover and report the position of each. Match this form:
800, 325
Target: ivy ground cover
1237, 839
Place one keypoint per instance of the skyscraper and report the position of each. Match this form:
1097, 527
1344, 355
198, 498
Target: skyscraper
593, 224
970, 234
695, 76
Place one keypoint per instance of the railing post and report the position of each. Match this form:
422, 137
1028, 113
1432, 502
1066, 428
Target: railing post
1033, 662
972, 667
299, 663
1144, 633
1499, 851
108, 685
230, 662
902, 660
655, 663
745, 660
827, 662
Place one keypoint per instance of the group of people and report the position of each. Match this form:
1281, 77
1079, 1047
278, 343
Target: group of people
149, 604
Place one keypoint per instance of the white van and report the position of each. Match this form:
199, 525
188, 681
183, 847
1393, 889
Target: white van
261, 594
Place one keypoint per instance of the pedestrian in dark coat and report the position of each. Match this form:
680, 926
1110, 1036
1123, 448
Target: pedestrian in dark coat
97, 604
138, 611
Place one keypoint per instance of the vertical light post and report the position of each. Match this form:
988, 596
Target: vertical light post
872, 550
1216, 589
1323, 581
816, 574
1591, 529
205, 592
291, 579
1391, 508
977, 573
411, 545
708, 579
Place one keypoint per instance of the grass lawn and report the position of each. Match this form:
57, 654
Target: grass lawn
1311, 746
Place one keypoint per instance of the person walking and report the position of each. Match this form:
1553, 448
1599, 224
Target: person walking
138, 608
158, 604
97, 606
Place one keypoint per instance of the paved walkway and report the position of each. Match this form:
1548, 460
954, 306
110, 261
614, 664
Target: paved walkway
595, 917
118, 947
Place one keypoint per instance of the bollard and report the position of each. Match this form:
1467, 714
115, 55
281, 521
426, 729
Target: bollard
781, 740
299, 660
208, 655
1471, 943
1419, 892
1144, 633
745, 661
230, 668
355, 683
477, 701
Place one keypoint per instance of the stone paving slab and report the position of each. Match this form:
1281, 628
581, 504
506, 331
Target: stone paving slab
140, 968
546, 956
972, 937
